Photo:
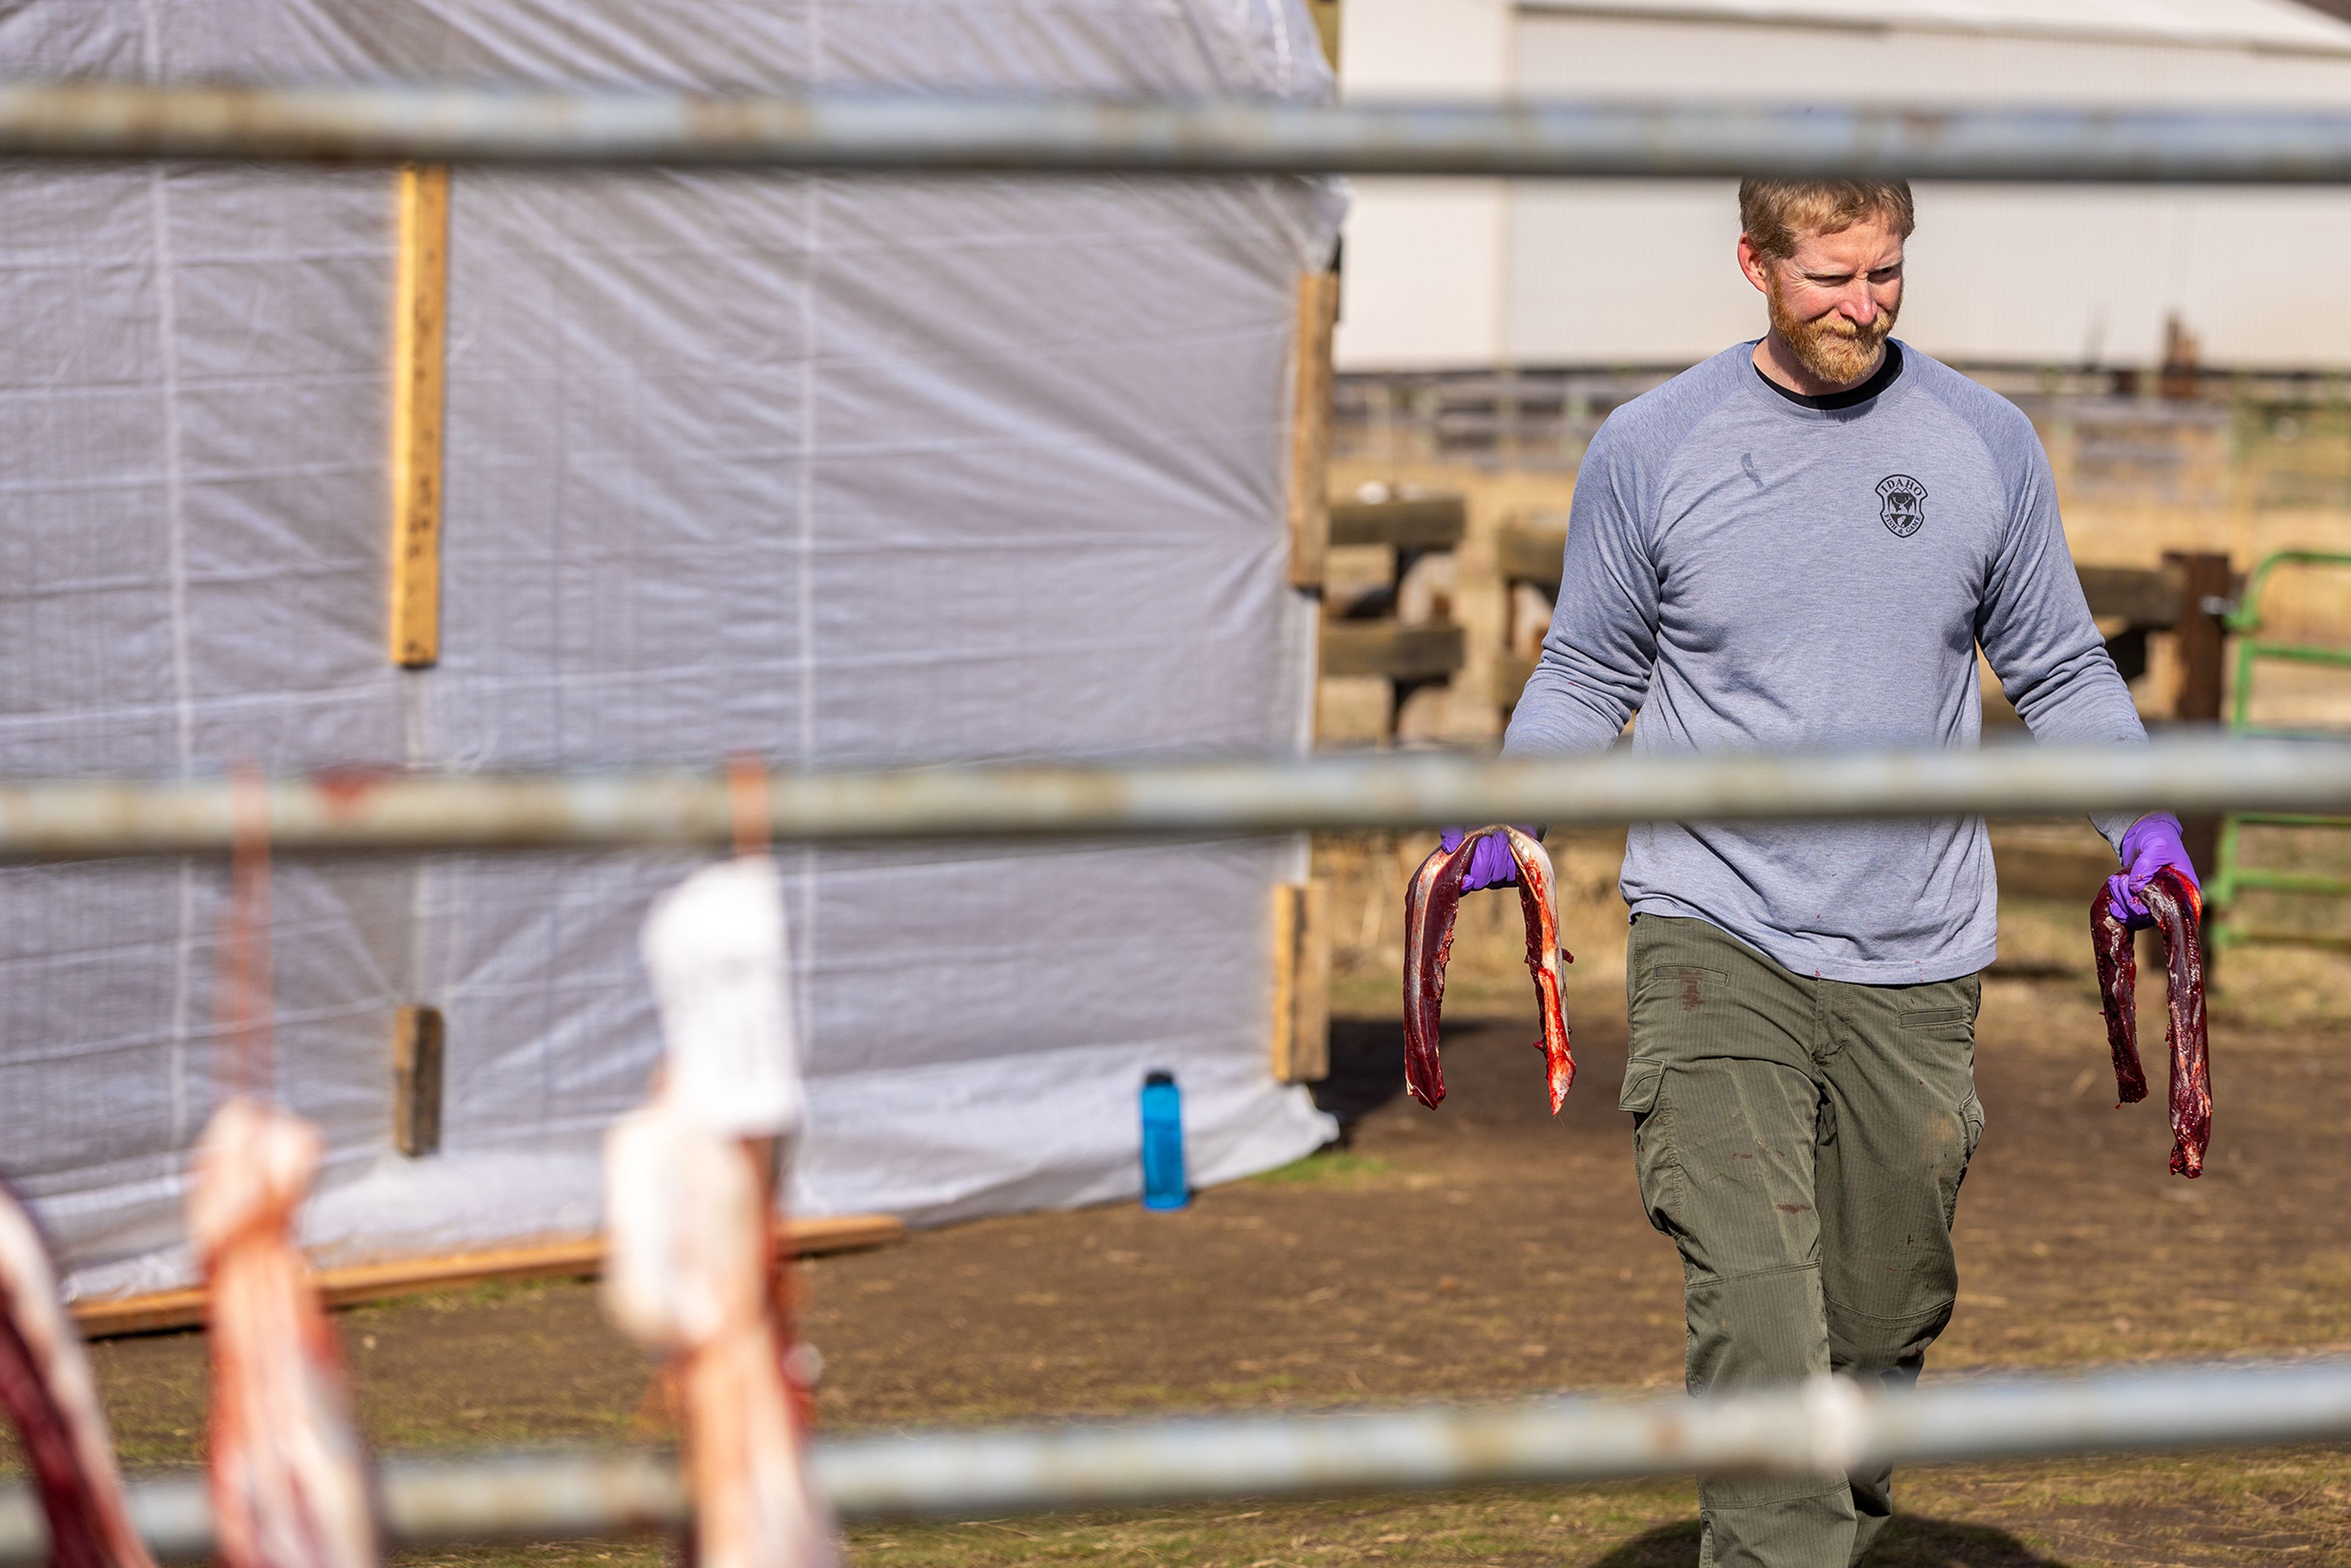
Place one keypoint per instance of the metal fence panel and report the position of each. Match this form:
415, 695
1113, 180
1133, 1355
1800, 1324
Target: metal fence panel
940, 133
1824, 1427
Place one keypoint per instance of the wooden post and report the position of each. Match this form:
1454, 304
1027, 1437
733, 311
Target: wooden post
2204, 580
416, 1036
421, 307
1310, 429
1326, 28
1302, 982
1302, 939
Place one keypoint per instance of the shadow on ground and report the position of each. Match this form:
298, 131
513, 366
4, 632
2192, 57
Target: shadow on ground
1909, 1542
1366, 1070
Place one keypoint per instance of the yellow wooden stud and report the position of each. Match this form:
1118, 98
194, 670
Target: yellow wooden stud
420, 329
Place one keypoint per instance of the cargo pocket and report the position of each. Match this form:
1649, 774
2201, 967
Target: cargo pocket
1659, 1172
1953, 1028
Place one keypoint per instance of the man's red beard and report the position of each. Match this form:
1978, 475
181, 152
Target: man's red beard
1831, 347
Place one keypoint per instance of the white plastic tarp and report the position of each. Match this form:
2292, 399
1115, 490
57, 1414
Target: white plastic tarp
822, 469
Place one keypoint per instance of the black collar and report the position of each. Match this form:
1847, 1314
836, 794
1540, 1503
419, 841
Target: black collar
1888, 368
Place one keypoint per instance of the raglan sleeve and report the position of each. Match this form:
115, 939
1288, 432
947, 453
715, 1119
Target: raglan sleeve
1603, 643
2035, 625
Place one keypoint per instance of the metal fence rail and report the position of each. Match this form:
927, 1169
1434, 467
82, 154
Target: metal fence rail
1826, 1427
875, 131
80, 819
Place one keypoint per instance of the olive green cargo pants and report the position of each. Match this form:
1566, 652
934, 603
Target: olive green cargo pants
1803, 1142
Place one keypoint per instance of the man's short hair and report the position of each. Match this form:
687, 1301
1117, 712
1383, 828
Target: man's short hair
1775, 213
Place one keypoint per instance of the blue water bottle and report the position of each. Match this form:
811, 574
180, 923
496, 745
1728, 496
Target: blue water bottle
1163, 1144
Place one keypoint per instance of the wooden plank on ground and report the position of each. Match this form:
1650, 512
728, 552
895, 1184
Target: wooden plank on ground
1309, 428
420, 323
1301, 983
581, 1258
1401, 652
1417, 522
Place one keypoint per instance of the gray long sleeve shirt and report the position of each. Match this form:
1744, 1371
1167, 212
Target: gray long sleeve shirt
1749, 572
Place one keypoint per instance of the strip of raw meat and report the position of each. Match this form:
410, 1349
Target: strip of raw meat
288, 1480
2177, 908
46, 1388
2117, 957
689, 1273
1432, 903
1541, 911
690, 1199
1431, 899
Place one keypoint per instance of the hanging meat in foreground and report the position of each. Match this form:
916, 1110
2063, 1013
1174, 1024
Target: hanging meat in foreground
1432, 900
45, 1389
288, 1480
2177, 906
691, 1181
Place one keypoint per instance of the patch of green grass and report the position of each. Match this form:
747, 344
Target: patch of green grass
1328, 1167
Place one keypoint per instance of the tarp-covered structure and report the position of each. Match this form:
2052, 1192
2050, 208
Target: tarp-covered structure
824, 470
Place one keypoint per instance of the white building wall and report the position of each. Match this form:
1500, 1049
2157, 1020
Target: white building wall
1426, 261
1642, 272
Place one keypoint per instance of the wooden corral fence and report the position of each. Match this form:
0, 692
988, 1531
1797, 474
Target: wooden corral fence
1392, 630
1400, 628
2187, 600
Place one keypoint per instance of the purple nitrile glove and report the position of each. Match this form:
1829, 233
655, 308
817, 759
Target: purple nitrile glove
1491, 864
2148, 845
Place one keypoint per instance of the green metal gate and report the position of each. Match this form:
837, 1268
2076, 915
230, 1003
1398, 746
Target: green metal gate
2233, 877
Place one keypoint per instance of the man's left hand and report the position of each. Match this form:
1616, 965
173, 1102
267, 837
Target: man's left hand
2148, 845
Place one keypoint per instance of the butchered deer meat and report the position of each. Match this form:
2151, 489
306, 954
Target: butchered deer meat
46, 1388
289, 1482
2178, 907
1432, 901
692, 1183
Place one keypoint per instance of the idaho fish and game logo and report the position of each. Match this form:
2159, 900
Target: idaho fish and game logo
1902, 504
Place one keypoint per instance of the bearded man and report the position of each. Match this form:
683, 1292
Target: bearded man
1800, 545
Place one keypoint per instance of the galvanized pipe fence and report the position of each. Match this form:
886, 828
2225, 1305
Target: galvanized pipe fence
942, 133
79, 818
1826, 1427
1821, 1429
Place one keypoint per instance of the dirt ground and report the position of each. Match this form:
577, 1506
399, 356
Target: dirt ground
1486, 1250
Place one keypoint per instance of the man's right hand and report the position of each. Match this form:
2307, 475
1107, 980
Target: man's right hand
2148, 845
1490, 864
